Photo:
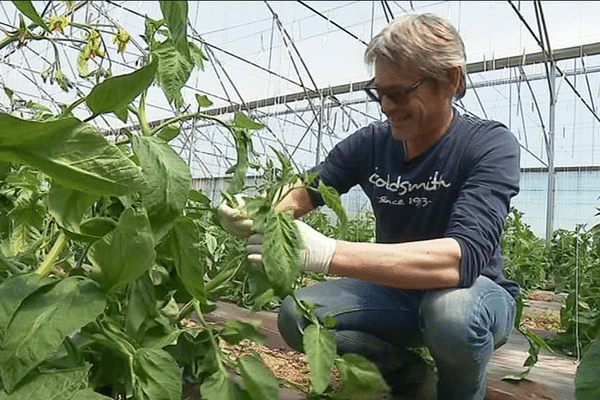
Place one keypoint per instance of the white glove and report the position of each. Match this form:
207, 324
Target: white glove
235, 220
315, 256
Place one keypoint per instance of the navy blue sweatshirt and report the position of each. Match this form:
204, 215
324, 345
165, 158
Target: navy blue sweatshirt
460, 188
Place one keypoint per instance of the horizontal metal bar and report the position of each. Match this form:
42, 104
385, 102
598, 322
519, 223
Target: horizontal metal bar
476, 67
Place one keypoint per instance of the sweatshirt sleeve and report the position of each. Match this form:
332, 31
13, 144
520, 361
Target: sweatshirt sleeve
340, 169
477, 217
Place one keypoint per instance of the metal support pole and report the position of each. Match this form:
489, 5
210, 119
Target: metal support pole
550, 151
320, 133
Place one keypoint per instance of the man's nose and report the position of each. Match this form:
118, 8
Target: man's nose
387, 105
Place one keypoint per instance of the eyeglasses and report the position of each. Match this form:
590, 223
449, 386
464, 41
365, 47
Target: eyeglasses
397, 95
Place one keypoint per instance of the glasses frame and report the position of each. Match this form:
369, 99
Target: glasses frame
398, 95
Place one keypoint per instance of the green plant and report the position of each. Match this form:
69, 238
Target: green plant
358, 229
525, 262
587, 380
566, 264
281, 243
524, 253
575, 257
536, 343
101, 242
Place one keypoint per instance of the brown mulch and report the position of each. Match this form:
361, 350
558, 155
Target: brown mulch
287, 365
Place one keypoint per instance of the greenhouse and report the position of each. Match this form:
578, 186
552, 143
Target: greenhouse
130, 129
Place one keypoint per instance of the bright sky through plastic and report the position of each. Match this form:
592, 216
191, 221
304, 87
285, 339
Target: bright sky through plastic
490, 30
264, 49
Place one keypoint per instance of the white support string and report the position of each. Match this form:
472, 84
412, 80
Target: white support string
577, 343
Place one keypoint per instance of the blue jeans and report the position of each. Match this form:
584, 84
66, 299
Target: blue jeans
460, 326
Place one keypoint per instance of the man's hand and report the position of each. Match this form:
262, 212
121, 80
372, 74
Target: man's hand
235, 220
315, 256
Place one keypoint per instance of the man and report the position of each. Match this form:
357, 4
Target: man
440, 184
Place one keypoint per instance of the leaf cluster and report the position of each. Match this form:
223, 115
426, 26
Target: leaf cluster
101, 242
358, 229
568, 264
279, 269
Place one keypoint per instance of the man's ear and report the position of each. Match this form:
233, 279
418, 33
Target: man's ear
453, 76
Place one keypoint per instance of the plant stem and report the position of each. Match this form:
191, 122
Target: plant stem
186, 310
288, 191
142, 115
124, 141
72, 106
9, 265
46, 267
213, 341
116, 341
15, 36
83, 255
133, 110
225, 274
307, 312
8, 40
186, 117
218, 280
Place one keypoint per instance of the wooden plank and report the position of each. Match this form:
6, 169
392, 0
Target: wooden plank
555, 372
226, 311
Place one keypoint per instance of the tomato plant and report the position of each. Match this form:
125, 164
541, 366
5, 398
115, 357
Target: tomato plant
101, 242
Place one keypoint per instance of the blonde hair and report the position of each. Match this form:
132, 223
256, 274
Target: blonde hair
425, 41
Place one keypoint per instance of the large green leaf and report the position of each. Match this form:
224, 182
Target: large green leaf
169, 132
587, 380
29, 11
187, 256
176, 17
42, 322
536, 343
162, 330
74, 154
238, 329
242, 121
280, 257
218, 386
141, 304
168, 178
320, 348
68, 206
26, 226
360, 377
197, 56
13, 292
95, 227
29, 179
173, 69
156, 375
203, 100
195, 350
55, 385
125, 253
259, 381
243, 145
20, 132
116, 93
332, 198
